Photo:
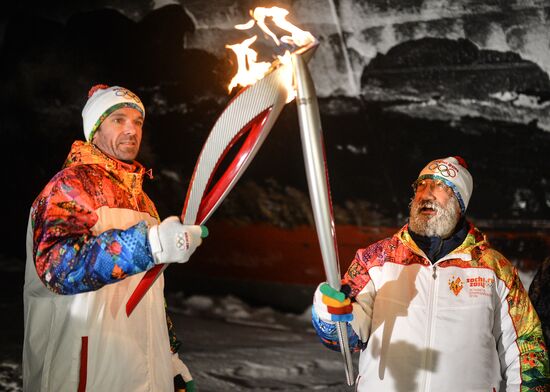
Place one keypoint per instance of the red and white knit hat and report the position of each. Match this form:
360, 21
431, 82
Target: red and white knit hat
453, 171
102, 101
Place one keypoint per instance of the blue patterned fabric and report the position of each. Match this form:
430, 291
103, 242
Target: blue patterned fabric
106, 259
329, 335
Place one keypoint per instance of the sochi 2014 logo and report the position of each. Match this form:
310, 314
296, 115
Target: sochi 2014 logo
455, 285
480, 281
480, 286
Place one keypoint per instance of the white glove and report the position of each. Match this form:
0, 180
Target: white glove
174, 242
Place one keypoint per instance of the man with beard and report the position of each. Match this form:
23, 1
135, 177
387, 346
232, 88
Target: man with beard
92, 234
435, 307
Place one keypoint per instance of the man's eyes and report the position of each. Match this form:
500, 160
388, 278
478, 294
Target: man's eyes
421, 185
120, 120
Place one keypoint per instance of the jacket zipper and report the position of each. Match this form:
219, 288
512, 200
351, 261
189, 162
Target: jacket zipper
431, 327
136, 205
133, 191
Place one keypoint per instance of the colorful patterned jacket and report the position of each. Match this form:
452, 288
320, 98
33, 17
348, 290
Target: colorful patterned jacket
87, 249
464, 323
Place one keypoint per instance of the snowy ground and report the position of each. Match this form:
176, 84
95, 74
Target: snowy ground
230, 346
227, 344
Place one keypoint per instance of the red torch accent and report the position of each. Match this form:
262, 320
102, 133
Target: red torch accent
252, 131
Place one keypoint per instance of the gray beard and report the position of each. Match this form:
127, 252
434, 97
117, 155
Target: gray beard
442, 224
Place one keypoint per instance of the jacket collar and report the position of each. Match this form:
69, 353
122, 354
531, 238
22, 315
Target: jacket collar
474, 239
436, 247
129, 175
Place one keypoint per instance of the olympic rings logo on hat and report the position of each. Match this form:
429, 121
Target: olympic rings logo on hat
122, 92
443, 169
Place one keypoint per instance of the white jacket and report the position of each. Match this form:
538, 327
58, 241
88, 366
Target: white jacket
462, 324
85, 341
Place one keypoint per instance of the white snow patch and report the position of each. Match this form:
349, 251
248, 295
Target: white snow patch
429, 102
521, 100
233, 310
257, 370
530, 101
10, 377
357, 150
505, 96
200, 302
161, 3
171, 174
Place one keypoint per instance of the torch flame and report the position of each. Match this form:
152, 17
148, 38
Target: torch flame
287, 75
249, 71
246, 26
298, 37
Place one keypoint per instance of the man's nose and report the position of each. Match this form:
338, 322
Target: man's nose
427, 193
130, 128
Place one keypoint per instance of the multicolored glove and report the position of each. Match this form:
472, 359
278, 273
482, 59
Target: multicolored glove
332, 305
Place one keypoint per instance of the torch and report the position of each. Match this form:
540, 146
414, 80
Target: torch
250, 116
318, 184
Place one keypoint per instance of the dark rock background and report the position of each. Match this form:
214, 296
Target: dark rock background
400, 83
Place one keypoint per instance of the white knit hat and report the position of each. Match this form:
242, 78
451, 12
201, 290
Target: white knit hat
102, 101
454, 172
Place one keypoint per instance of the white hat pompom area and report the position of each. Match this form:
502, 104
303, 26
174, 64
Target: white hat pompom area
102, 101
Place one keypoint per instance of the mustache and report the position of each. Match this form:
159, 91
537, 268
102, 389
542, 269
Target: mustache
428, 204
129, 139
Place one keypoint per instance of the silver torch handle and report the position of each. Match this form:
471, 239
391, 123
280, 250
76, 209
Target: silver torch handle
317, 177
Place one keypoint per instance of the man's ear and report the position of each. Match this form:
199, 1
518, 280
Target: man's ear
92, 140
